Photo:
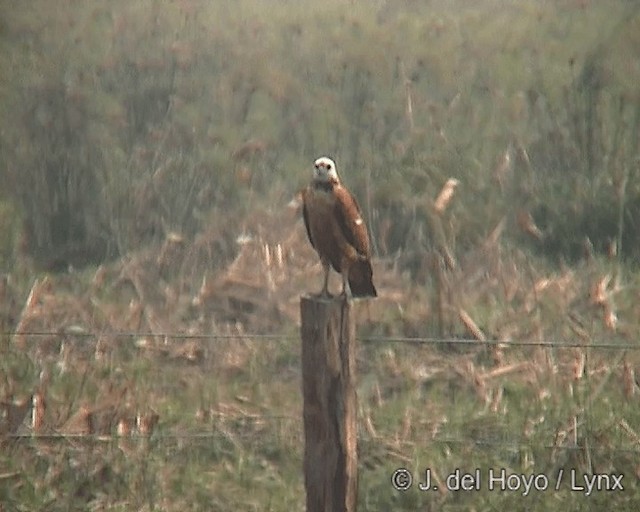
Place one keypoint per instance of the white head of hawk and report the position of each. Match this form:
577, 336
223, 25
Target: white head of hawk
324, 169
336, 231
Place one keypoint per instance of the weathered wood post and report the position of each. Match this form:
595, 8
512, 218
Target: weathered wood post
328, 384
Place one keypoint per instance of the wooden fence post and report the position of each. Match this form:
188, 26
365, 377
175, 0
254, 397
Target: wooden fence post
330, 402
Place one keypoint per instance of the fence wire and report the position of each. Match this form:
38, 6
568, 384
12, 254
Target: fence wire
168, 337
165, 437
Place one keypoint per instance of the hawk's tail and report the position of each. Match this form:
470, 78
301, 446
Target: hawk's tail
361, 280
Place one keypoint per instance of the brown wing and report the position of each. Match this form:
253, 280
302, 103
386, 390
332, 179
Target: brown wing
349, 217
305, 216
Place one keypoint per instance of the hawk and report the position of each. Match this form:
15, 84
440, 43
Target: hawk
337, 231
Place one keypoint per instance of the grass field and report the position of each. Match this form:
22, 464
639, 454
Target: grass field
152, 253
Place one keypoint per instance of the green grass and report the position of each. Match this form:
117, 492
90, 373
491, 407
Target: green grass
234, 440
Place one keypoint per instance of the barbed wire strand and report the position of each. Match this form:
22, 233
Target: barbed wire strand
172, 336
160, 436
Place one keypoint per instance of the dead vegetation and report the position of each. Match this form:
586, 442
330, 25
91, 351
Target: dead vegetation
84, 348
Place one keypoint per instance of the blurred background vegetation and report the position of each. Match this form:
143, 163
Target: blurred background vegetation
149, 152
123, 122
